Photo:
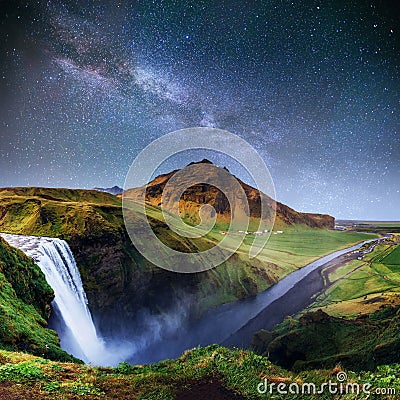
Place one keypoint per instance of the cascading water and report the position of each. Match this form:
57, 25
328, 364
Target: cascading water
56, 261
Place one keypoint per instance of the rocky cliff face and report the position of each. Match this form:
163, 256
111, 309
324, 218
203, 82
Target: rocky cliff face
121, 284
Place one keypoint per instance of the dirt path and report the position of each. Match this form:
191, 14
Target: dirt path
207, 389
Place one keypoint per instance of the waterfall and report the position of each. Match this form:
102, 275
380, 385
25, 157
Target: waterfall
55, 259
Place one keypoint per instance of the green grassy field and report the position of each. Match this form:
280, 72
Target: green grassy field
378, 226
297, 246
301, 245
362, 286
393, 258
381, 223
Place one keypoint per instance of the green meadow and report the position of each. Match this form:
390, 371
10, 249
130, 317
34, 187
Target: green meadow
297, 246
362, 286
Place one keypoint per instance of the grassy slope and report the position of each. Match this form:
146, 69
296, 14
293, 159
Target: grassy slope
360, 327
362, 286
197, 374
82, 215
24, 299
59, 212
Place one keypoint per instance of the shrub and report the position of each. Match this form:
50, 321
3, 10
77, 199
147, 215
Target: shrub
25, 371
124, 368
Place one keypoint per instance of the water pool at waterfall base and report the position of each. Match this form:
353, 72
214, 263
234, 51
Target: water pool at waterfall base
71, 317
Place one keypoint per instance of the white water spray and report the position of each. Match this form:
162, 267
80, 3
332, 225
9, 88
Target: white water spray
56, 261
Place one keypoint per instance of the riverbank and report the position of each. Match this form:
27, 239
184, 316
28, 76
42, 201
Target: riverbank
363, 284
353, 320
303, 287
233, 324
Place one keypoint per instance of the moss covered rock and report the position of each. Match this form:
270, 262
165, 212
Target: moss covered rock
25, 300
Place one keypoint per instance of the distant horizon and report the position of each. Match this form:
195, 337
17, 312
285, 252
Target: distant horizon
121, 187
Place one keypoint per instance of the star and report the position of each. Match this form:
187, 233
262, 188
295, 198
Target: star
314, 88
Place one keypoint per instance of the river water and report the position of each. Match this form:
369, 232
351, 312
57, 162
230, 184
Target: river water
233, 324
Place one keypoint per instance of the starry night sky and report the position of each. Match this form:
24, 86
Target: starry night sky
314, 86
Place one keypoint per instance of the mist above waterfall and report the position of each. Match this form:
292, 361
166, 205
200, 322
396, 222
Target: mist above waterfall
77, 332
72, 319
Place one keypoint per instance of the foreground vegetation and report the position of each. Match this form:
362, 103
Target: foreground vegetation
213, 372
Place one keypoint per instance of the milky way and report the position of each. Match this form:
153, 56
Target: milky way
314, 86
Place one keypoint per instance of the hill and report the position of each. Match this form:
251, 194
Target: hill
197, 195
64, 213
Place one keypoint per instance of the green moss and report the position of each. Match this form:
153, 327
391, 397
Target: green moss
236, 372
24, 305
317, 340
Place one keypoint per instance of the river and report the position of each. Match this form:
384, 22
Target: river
233, 324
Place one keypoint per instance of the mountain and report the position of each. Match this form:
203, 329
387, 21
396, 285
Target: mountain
112, 190
197, 195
